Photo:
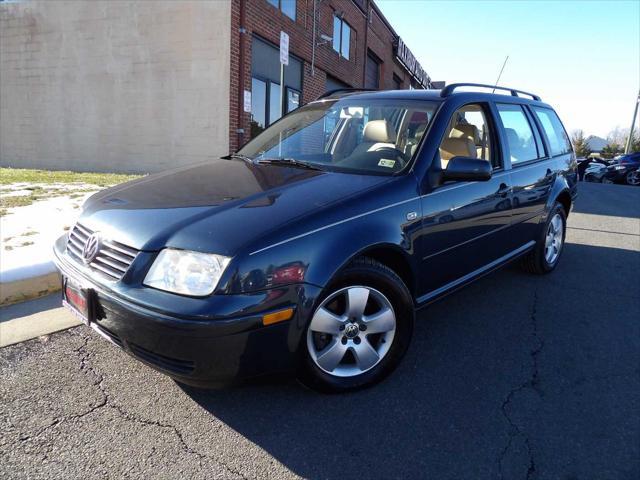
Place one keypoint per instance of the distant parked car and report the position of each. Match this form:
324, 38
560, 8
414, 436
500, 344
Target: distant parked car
584, 163
594, 172
630, 173
626, 173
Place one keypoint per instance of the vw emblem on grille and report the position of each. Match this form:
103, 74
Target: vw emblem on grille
91, 248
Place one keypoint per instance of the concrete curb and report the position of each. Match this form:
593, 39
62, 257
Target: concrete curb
29, 288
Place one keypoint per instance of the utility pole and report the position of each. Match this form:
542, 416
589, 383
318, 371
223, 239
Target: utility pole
633, 125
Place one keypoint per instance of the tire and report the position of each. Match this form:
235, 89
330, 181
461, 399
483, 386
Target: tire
539, 261
379, 301
633, 178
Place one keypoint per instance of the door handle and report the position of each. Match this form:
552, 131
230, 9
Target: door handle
504, 190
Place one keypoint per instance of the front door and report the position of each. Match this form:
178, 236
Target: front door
465, 224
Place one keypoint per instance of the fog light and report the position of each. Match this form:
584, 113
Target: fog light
280, 316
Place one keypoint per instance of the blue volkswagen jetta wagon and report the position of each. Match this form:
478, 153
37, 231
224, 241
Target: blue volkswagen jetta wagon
311, 248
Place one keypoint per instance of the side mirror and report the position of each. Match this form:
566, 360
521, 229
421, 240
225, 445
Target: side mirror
467, 169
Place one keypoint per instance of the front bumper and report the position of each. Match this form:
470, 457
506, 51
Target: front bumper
217, 340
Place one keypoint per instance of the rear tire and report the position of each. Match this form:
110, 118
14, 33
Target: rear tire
364, 322
546, 254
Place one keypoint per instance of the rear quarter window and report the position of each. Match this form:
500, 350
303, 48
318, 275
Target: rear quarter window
559, 142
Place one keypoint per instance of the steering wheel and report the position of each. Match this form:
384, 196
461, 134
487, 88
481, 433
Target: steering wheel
394, 154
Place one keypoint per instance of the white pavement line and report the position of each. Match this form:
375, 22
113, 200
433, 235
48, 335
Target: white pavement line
35, 325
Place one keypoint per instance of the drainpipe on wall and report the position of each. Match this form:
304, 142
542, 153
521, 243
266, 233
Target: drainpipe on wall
241, 32
313, 40
366, 44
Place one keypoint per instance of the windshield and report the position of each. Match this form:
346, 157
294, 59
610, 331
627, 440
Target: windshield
367, 136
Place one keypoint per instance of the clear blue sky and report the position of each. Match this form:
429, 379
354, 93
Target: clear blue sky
582, 57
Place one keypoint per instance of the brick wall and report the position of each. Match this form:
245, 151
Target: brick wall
368, 30
131, 86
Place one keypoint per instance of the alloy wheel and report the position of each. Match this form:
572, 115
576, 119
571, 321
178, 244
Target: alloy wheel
553, 239
351, 331
633, 178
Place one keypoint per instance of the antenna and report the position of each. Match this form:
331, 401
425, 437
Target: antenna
500, 74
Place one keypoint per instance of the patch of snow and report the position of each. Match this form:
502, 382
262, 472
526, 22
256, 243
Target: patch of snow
27, 235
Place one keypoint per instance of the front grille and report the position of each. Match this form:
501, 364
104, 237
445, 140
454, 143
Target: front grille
113, 258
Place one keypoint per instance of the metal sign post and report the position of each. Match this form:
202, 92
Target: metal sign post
284, 60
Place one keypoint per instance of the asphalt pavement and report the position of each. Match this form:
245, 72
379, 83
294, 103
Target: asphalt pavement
514, 377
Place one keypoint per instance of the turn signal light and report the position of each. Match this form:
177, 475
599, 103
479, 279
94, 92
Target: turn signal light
280, 316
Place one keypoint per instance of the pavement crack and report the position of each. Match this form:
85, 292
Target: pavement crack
87, 369
533, 383
84, 367
179, 435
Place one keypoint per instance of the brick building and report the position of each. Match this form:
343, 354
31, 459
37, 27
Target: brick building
140, 86
333, 44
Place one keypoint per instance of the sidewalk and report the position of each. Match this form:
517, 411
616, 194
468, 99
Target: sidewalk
33, 319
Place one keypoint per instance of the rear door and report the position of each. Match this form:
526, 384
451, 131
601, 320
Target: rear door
532, 171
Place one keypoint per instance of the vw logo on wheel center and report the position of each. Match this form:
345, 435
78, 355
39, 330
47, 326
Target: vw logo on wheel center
91, 248
351, 330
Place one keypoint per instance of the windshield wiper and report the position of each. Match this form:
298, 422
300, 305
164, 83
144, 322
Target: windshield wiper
289, 162
238, 156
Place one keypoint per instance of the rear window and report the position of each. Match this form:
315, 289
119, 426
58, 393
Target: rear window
558, 139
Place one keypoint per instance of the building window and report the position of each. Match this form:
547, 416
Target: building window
341, 36
288, 7
293, 99
265, 85
372, 72
258, 106
397, 82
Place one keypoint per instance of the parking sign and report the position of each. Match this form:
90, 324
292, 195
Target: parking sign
284, 48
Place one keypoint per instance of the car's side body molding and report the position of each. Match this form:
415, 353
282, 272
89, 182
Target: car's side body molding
464, 280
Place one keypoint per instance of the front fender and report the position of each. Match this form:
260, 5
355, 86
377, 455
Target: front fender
314, 256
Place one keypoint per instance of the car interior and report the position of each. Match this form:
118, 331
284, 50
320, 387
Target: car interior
383, 138
468, 135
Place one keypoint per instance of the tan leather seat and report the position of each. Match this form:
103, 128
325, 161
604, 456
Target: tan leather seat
471, 132
466, 130
377, 134
456, 147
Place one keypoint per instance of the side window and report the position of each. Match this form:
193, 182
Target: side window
522, 144
468, 135
559, 142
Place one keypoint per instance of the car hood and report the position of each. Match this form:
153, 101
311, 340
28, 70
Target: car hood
217, 206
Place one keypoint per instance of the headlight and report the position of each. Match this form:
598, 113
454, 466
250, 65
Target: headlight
185, 272
619, 167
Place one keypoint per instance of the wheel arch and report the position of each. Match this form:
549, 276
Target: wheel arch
388, 254
564, 197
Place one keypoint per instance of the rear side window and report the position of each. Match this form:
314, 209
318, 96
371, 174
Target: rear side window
522, 144
559, 142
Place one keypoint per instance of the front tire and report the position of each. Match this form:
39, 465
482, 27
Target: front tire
360, 329
545, 255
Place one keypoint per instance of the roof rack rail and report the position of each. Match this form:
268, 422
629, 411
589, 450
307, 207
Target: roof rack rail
448, 90
346, 90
